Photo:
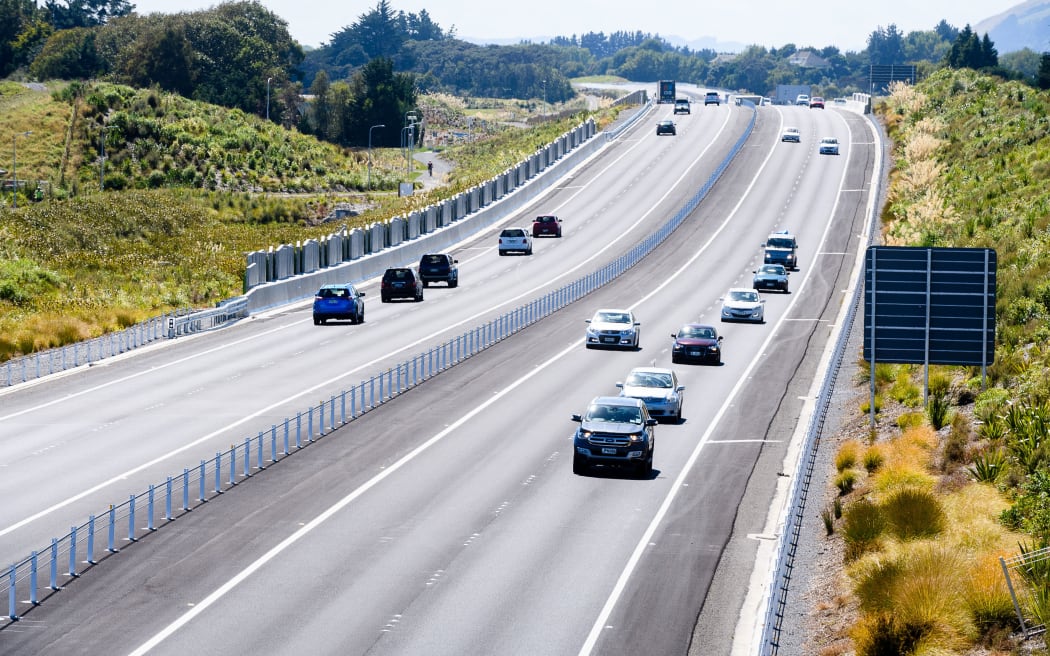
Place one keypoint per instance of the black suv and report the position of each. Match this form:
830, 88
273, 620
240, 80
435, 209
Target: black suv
400, 282
439, 267
615, 430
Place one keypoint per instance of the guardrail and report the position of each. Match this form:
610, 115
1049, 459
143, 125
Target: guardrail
788, 539
37, 365
181, 493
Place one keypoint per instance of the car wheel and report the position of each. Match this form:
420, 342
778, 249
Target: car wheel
503, 252
361, 317
678, 416
529, 251
419, 297
675, 359
579, 465
453, 283
645, 469
426, 283
384, 299
317, 322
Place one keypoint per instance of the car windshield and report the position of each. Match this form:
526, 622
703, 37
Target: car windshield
512, 232
612, 317
791, 130
544, 219
743, 295
780, 242
666, 123
830, 141
398, 274
697, 332
617, 414
649, 379
333, 292
434, 259
773, 268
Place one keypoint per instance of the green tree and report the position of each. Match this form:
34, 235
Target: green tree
68, 54
379, 96
1024, 61
886, 46
1042, 78
85, 13
23, 29
163, 56
321, 104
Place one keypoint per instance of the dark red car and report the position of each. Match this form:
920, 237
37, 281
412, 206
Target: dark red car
696, 342
546, 225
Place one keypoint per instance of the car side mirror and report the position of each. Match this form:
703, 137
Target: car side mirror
680, 388
455, 261
650, 422
362, 294
586, 320
719, 339
674, 336
577, 418
620, 385
755, 271
637, 323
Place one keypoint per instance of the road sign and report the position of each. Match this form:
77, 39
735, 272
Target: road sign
929, 305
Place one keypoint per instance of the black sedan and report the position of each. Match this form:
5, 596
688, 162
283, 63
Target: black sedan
665, 127
695, 342
771, 276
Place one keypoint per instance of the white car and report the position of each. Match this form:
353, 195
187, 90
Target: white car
611, 327
515, 240
829, 146
791, 134
659, 389
802, 99
743, 304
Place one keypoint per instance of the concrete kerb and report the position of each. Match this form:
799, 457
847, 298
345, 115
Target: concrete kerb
270, 295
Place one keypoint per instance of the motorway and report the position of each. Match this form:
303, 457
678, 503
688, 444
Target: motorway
448, 520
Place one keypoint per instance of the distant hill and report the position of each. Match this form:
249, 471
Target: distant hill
1026, 25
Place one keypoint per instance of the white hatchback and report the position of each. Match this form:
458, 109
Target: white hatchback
743, 304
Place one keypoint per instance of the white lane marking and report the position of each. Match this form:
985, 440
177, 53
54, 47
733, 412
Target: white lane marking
310, 390
646, 539
243, 575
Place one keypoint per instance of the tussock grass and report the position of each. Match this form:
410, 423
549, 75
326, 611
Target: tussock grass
910, 420
913, 513
873, 458
847, 455
846, 481
862, 528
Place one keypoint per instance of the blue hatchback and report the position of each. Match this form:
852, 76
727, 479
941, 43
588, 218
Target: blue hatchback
340, 301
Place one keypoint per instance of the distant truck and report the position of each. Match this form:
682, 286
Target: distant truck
781, 248
666, 92
788, 93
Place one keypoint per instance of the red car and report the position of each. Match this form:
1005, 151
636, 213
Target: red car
697, 342
547, 224
816, 102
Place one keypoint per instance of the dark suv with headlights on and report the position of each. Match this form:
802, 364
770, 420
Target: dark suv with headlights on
439, 267
615, 431
400, 282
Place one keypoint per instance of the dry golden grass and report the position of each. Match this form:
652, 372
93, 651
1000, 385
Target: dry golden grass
847, 455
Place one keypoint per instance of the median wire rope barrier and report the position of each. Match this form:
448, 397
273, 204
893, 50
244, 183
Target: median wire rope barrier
788, 539
123, 524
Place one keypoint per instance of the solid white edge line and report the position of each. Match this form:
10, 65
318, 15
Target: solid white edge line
751, 622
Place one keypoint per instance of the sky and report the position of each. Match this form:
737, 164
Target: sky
771, 23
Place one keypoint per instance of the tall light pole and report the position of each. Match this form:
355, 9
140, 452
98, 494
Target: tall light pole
370, 153
268, 97
409, 134
102, 159
14, 166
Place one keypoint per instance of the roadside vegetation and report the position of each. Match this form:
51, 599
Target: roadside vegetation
938, 492
189, 189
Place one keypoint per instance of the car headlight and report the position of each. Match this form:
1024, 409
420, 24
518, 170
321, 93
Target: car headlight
676, 347
638, 437
584, 434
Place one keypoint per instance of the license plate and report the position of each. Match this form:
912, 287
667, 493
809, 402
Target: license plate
608, 451
609, 340
694, 352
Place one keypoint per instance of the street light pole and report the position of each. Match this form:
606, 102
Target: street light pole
268, 97
14, 166
370, 153
409, 131
102, 160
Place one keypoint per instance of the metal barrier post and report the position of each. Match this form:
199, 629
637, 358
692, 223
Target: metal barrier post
54, 563
131, 518
233, 465
342, 408
11, 614
286, 427
167, 499
218, 473
73, 552
273, 443
91, 540
32, 579
112, 548
298, 430
310, 425
203, 470
149, 509
331, 413
185, 489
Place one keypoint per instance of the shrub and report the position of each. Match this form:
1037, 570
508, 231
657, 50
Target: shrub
885, 634
939, 410
988, 598
847, 455
829, 521
845, 481
910, 420
955, 445
913, 513
988, 466
865, 407
873, 458
862, 527
905, 392
836, 506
